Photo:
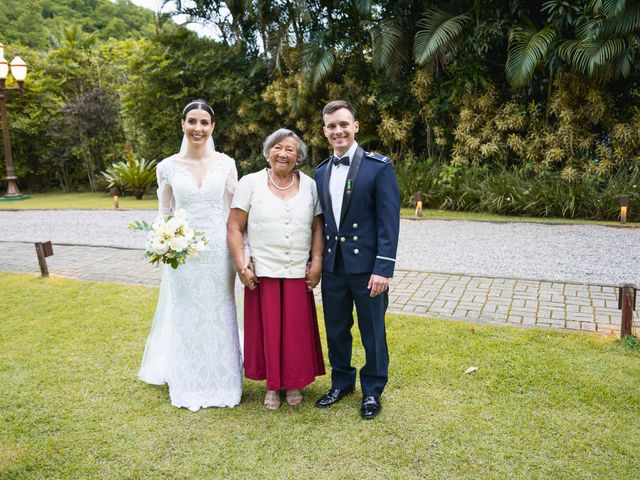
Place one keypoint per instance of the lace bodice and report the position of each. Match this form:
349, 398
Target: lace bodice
177, 188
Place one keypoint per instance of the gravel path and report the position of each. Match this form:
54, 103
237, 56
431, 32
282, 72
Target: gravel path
576, 253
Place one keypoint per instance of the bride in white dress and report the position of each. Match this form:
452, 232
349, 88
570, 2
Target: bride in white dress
194, 344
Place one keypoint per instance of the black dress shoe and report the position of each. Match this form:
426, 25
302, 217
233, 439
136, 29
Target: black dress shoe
370, 408
332, 396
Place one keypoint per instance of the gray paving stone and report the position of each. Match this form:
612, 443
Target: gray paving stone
495, 300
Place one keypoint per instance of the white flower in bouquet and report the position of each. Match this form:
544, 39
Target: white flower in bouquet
180, 214
173, 225
188, 232
178, 244
159, 246
171, 240
163, 230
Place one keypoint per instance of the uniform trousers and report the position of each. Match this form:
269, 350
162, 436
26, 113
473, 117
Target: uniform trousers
340, 291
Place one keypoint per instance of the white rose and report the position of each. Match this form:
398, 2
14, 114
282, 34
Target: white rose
159, 229
168, 233
173, 224
160, 247
188, 232
178, 244
180, 214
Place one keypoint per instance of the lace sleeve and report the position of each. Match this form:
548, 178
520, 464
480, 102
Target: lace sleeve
232, 182
166, 202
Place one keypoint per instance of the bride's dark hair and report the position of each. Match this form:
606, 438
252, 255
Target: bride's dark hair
197, 104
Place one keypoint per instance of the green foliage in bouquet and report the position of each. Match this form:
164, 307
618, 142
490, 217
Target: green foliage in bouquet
140, 225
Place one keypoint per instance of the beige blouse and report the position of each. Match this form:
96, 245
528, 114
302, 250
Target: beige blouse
279, 231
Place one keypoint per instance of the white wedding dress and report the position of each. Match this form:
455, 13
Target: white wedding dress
194, 344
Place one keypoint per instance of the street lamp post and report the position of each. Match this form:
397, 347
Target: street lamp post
19, 72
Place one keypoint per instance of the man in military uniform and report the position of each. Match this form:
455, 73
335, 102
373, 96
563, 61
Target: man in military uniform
361, 205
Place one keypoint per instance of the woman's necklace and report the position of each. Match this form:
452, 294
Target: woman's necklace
293, 180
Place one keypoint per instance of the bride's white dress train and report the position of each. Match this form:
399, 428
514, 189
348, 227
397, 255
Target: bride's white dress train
194, 344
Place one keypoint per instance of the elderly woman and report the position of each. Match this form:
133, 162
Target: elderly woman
279, 209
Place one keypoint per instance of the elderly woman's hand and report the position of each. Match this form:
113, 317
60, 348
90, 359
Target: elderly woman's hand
247, 275
312, 276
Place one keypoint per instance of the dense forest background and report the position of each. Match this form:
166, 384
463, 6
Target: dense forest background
501, 106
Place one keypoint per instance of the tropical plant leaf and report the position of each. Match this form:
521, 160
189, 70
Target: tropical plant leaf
318, 60
576, 54
528, 47
624, 64
604, 51
438, 34
386, 38
627, 23
598, 59
608, 8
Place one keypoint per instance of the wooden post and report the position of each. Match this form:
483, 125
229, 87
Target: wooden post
624, 206
627, 303
114, 193
418, 197
44, 250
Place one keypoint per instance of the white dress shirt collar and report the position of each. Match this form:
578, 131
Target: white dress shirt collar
337, 182
349, 153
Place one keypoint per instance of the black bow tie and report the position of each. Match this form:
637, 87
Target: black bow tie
343, 161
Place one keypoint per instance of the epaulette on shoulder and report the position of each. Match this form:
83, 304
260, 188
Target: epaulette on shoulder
377, 156
323, 162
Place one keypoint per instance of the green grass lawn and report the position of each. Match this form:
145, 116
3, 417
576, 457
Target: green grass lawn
543, 404
85, 200
149, 202
489, 217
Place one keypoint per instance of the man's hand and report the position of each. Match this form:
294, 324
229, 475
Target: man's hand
377, 285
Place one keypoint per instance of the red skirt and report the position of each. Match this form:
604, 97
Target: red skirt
281, 339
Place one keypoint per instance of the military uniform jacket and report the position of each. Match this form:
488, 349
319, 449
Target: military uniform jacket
367, 231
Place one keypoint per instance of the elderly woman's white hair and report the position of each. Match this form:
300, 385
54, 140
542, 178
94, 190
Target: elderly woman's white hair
280, 134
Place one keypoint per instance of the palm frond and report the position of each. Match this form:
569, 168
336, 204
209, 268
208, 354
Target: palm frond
627, 23
608, 8
318, 61
528, 47
318, 57
386, 37
576, 54
323, 67
438, 33
605, 51
622, 67
599, 60
589, 28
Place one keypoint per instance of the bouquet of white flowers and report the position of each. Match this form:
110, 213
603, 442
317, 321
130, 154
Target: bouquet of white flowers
171, 240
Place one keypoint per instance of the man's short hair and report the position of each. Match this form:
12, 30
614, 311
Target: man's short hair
337, 105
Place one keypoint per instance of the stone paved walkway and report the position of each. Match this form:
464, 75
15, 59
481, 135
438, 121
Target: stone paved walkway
504, 301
